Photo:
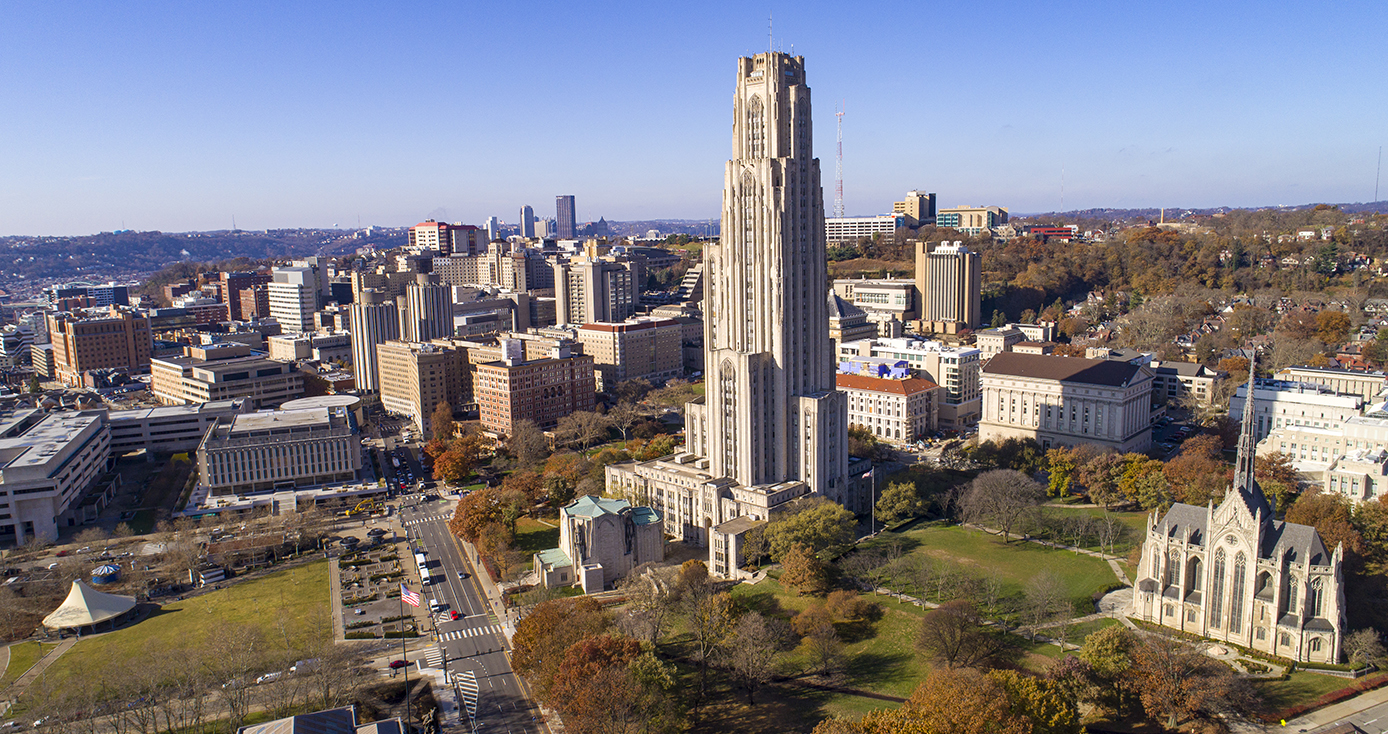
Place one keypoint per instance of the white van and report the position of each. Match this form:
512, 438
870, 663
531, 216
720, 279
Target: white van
436, 606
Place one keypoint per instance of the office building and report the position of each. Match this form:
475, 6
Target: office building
1278, 403
565, 217
949, 287
254, 302
293, 297
493, 229
1067, 401
428, 311
897, 409
48, 462
120, 340
772, 427
1235, 574
918, 207
646, 348
168, 429
848, 230
592, 288
889, 303
374, 322
527, 222
231, 286
223, 371
992, 342
415, 378
956, 369
847, 323
971, 220
279, 450
1177, 382
92, 296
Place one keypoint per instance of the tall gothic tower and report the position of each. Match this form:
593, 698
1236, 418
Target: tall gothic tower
771, 413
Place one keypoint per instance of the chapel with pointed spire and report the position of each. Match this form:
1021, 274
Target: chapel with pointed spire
1235, 573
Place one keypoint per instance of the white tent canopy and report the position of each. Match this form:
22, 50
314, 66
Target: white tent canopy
85, 605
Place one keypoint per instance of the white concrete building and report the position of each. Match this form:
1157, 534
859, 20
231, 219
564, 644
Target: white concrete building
47, 463
1368, 385
1067, 401
1277, 403
293, 297
840, 230
956, 369
899, 411
280, 449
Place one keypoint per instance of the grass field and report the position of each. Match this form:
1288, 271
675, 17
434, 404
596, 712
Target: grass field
533, 536
1014, 563
1299, 687
1136, 523
294, 595
23, 655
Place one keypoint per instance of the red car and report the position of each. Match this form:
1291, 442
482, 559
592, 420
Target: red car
454, 614
397, 664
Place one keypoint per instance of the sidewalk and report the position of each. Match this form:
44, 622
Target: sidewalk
1330, 714
24, 681
489, 588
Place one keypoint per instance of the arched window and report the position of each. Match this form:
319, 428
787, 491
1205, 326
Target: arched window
1156, 565
1173, 569
1236, 594
1315, 644
1216, 605
756, 129
1193, 569
1315, 599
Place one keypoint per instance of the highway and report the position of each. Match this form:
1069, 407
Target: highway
474, 642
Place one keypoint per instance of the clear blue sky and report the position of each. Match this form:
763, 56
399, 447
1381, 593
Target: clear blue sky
177, 116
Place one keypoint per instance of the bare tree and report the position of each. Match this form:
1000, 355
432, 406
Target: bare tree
1001, 498
649, 604
753, 649
527, 443
955, 635
234, 656
623, 416
1046, 599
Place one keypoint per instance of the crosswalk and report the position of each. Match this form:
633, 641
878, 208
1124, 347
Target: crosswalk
434, 657
490, 629
428, 518
467, 685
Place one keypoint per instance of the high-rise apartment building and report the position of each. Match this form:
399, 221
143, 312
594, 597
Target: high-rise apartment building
918, 206
374, 322
448, 239
120, 340
415, 378
293, 297
428, 312
565, 217
527, 222
493, 229
589, 288
772, 427
644, 348
949, 287
540, 390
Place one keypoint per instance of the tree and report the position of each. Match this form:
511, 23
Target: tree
623, 416
803, 571
901, 501
1198, 475
1000, 497
1049, 706
1365, 647
1176, 682
442, 421
754, 647
1330, 515
34, 386
650, 602
583, 427
475, 512
821, 639
527, 443
1278, 478
818, 524
948, 701
862, 443
1332, 326
462, 457
1371, 520
848, 606
1109, 655
1061, 465
601, 659
954, 634
710, 620
631, 390
1046, 598
542, 638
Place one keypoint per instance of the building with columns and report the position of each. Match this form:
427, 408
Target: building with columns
771, 427
1234, 573
1066, 401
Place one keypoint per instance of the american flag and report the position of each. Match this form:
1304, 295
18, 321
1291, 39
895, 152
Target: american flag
409, 597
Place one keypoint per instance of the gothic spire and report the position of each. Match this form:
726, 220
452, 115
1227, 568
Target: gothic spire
1244, 482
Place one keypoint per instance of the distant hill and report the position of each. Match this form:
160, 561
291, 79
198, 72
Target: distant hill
1174, 213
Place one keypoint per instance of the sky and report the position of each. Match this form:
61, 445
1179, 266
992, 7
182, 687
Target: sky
184, 116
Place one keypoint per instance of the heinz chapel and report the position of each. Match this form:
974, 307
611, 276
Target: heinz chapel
1198, 563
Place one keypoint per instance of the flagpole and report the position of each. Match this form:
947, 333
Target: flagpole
404, 656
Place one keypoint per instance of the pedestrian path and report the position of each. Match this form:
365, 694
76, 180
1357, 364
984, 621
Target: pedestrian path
470, 632
429, 518
434, 657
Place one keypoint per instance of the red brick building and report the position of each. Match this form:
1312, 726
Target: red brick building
541, 390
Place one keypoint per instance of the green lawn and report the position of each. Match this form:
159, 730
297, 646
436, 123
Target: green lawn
1300, 687
23, 655
533, 536
1014, 563
1136, 523
294, 595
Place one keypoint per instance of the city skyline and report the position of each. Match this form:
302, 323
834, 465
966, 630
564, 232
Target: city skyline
181, 119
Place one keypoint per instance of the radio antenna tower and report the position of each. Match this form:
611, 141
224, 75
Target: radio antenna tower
838, 167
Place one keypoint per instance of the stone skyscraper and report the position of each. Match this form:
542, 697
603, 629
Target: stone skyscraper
949, 287
771, 427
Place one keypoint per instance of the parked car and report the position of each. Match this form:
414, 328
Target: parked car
269, 677
397, 664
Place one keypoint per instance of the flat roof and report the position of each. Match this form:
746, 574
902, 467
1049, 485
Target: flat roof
46, 439
276, 419
322, 401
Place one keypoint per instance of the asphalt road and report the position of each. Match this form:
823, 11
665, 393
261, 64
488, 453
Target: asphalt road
474, 641
1371, 721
